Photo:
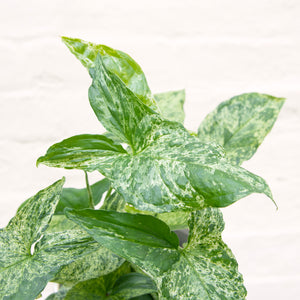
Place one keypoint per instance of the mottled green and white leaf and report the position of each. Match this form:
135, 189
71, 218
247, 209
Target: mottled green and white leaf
118, 109
87, 152
241, 124
204, 269
29, 257
171, 105
116, 62
99, 262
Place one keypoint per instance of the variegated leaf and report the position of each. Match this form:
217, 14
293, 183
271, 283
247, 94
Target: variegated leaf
171, 105
99, 262
118, 109
175, 171
204, 269
241, 124
116, 62
87, 152
121, 284
29, 257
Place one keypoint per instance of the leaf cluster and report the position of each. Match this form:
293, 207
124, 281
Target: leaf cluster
158, 177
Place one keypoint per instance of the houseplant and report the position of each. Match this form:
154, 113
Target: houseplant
158, 177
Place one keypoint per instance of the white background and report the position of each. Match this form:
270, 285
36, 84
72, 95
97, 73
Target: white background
214, 49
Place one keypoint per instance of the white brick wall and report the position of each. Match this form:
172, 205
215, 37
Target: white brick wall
215, 49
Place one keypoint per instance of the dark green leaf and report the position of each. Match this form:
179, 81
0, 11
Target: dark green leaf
29, 257
204, 269
171, 105
132, 285
78, 198
116, 62
241, 124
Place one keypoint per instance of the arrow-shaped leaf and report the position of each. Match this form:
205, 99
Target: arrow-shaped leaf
204, 269
116, 62
241, 124
29, 259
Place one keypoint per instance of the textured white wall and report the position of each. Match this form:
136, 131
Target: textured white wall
214, 49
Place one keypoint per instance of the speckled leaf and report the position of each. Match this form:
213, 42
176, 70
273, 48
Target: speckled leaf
171, 105
118, 109
78, 198
241, 124
29, 257
87, 152
204, 269
116, 62
97, 288
173, 171
92, 265
178, 172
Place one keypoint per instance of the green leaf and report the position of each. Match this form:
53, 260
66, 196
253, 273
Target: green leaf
204, 269
171, 105
241, 124
167, 170
174, 171
87, 152
29, 257
118, 109
132, 285
78, 198
98, 288
116, 62
114, 202
92, 265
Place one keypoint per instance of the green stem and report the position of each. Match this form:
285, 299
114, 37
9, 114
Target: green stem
108, 194
91, 201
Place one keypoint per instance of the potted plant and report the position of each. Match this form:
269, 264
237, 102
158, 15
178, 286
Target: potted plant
158, 177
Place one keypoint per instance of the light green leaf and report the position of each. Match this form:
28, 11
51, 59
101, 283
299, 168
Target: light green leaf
78, 198
116, 62
116, 107
29, 257
87, 152
241, 124
204, 269
60, 223
171, 105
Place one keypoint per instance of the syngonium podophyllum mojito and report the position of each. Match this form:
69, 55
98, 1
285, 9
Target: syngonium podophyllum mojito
158, 177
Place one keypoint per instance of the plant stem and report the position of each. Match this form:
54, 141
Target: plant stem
108, 193
91, 201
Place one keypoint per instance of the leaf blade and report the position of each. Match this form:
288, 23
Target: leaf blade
241, 124
171, 105
116, 62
